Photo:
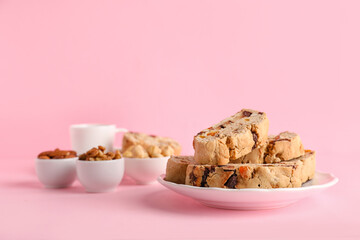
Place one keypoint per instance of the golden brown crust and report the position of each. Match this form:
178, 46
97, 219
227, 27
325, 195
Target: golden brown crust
285, 174
283, 147
176, 168
256, 156
306, 163
232, 138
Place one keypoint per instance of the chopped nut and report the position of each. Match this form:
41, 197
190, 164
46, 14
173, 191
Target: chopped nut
101, 154
57, 154
97, 154
117, 154
92, 152
167, 151
102, 148
140, 152
157, 155
154, 151
128, 154
111, 154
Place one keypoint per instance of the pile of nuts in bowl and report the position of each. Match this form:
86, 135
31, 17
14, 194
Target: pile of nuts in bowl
98, 154
57, 154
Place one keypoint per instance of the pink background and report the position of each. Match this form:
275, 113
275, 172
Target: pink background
173, 68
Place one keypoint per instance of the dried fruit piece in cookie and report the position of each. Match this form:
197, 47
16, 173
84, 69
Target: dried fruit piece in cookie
282, 147
232, 138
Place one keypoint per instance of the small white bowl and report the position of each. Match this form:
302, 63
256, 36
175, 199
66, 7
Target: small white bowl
56, 173
145, 170
100, 176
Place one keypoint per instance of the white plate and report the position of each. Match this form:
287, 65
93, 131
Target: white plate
251, 198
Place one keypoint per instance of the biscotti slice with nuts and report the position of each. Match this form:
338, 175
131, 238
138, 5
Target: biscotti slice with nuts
283, 147
306, 165
176, 168
232, 138
256, 156
237, 176
285, 174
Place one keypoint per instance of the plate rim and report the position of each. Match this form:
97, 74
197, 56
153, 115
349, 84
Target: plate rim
332, 182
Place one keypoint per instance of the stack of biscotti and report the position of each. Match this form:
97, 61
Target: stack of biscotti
238, 153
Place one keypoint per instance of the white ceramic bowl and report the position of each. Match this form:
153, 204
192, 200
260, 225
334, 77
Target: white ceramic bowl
56, 173
145, 170
100, 176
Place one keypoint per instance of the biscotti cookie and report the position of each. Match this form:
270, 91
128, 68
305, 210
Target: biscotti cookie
306, 165
232, 138
282, 147
291, 173
154, 146
243, 176
176, 168
256, 156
